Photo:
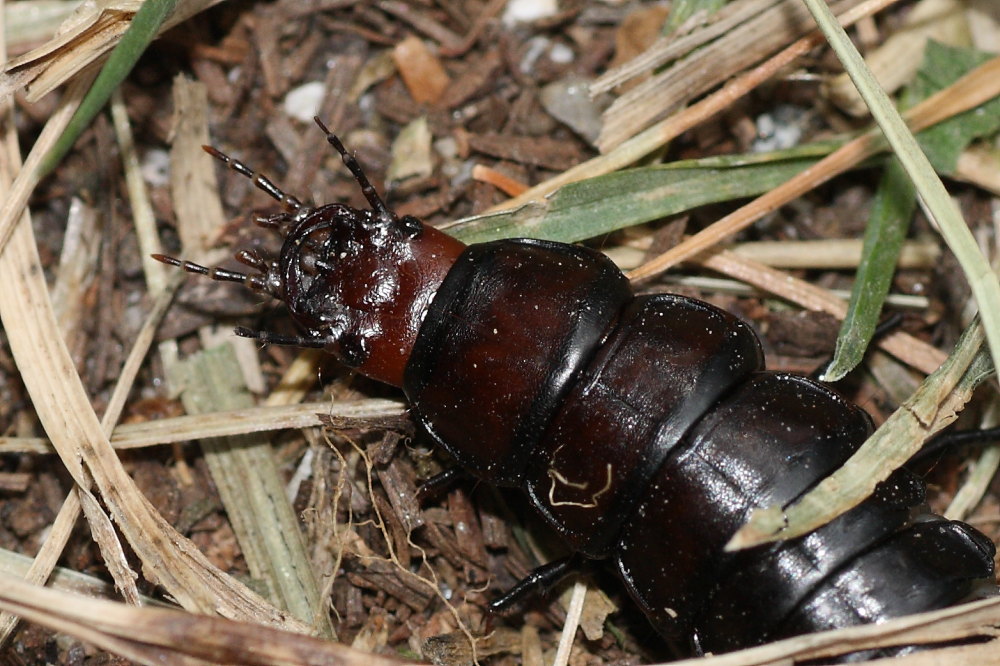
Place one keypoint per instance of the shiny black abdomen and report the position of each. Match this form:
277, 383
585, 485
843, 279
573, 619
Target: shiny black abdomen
644, 429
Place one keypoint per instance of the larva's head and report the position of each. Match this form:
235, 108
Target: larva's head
357, 282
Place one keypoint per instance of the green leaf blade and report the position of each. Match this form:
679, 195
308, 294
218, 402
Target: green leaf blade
943, 143
888, 223
621, 199
145, 26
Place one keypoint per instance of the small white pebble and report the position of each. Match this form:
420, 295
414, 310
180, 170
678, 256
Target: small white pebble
303, 103
521, 11
560, 53
155, 167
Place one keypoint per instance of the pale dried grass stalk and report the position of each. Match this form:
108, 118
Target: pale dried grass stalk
158, 636
225, 423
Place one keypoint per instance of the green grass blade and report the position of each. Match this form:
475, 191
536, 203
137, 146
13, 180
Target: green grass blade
604, 204
858, 477
144, 28
943, 143
895, 201
933, 195
888, 223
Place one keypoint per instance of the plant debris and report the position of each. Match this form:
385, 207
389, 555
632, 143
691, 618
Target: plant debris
452, 108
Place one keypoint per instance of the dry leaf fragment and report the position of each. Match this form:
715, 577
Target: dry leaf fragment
421, 70
897, 59
411, 152
637, 33
88, 34
597, 606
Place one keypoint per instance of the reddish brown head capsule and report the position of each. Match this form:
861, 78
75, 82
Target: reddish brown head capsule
357, 282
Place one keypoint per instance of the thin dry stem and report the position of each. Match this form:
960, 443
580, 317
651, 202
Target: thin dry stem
158, 636
660, 134
568, 633
973, 89
432, 583
903, 346
221, 424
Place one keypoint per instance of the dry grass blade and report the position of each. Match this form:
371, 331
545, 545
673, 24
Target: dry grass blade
223, 424
68, 418
161, 636
16, 195
903, 346
654, 138
837, 253
88, 34
982, 471
193, 185
29, 23
689, 77
670, 47
252, 490
970, 91
255, 419
572, 622
64, 579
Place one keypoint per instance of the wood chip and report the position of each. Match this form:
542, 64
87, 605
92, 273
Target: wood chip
534, 150
475, 78
421, 70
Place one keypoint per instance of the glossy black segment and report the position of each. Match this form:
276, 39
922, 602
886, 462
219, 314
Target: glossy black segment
953, 439
792, 570
768, 442
538, 582
441, 483
930, 565
623, 419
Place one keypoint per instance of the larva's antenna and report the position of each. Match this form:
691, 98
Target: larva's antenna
374, 200
288, 202
257, 283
